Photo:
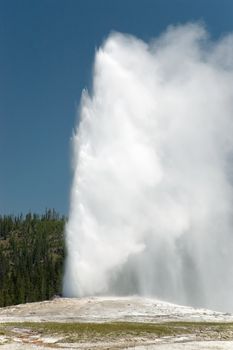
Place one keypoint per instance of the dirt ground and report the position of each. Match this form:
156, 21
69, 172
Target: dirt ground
113, 323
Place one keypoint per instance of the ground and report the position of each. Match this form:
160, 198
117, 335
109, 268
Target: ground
113, 323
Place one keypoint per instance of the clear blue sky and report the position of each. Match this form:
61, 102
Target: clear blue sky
46, 54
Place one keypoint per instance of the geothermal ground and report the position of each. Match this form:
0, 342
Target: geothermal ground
113, 323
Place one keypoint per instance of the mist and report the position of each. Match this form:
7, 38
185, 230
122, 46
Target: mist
151, 208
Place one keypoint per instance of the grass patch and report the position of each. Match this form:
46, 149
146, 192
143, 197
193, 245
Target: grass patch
117, 331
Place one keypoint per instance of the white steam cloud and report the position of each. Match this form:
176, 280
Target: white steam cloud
152, 198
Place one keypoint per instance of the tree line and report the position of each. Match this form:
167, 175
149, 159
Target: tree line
31, 257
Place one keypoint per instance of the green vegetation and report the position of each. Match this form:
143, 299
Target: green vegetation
31, 257
77, 331
121, 331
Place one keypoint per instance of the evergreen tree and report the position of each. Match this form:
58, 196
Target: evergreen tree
31, 257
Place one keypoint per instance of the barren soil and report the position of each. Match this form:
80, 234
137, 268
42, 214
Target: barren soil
113, 323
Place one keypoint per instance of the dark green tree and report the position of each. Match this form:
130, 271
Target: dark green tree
31, 257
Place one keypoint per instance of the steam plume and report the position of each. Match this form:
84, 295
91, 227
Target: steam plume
152, 202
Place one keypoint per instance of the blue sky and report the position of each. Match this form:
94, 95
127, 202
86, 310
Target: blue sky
46, 54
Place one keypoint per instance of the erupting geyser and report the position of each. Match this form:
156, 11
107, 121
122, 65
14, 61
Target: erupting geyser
152, 199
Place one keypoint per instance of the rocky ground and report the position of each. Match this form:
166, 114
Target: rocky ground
113, 323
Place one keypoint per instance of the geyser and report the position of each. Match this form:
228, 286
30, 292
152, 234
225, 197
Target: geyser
151, 208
